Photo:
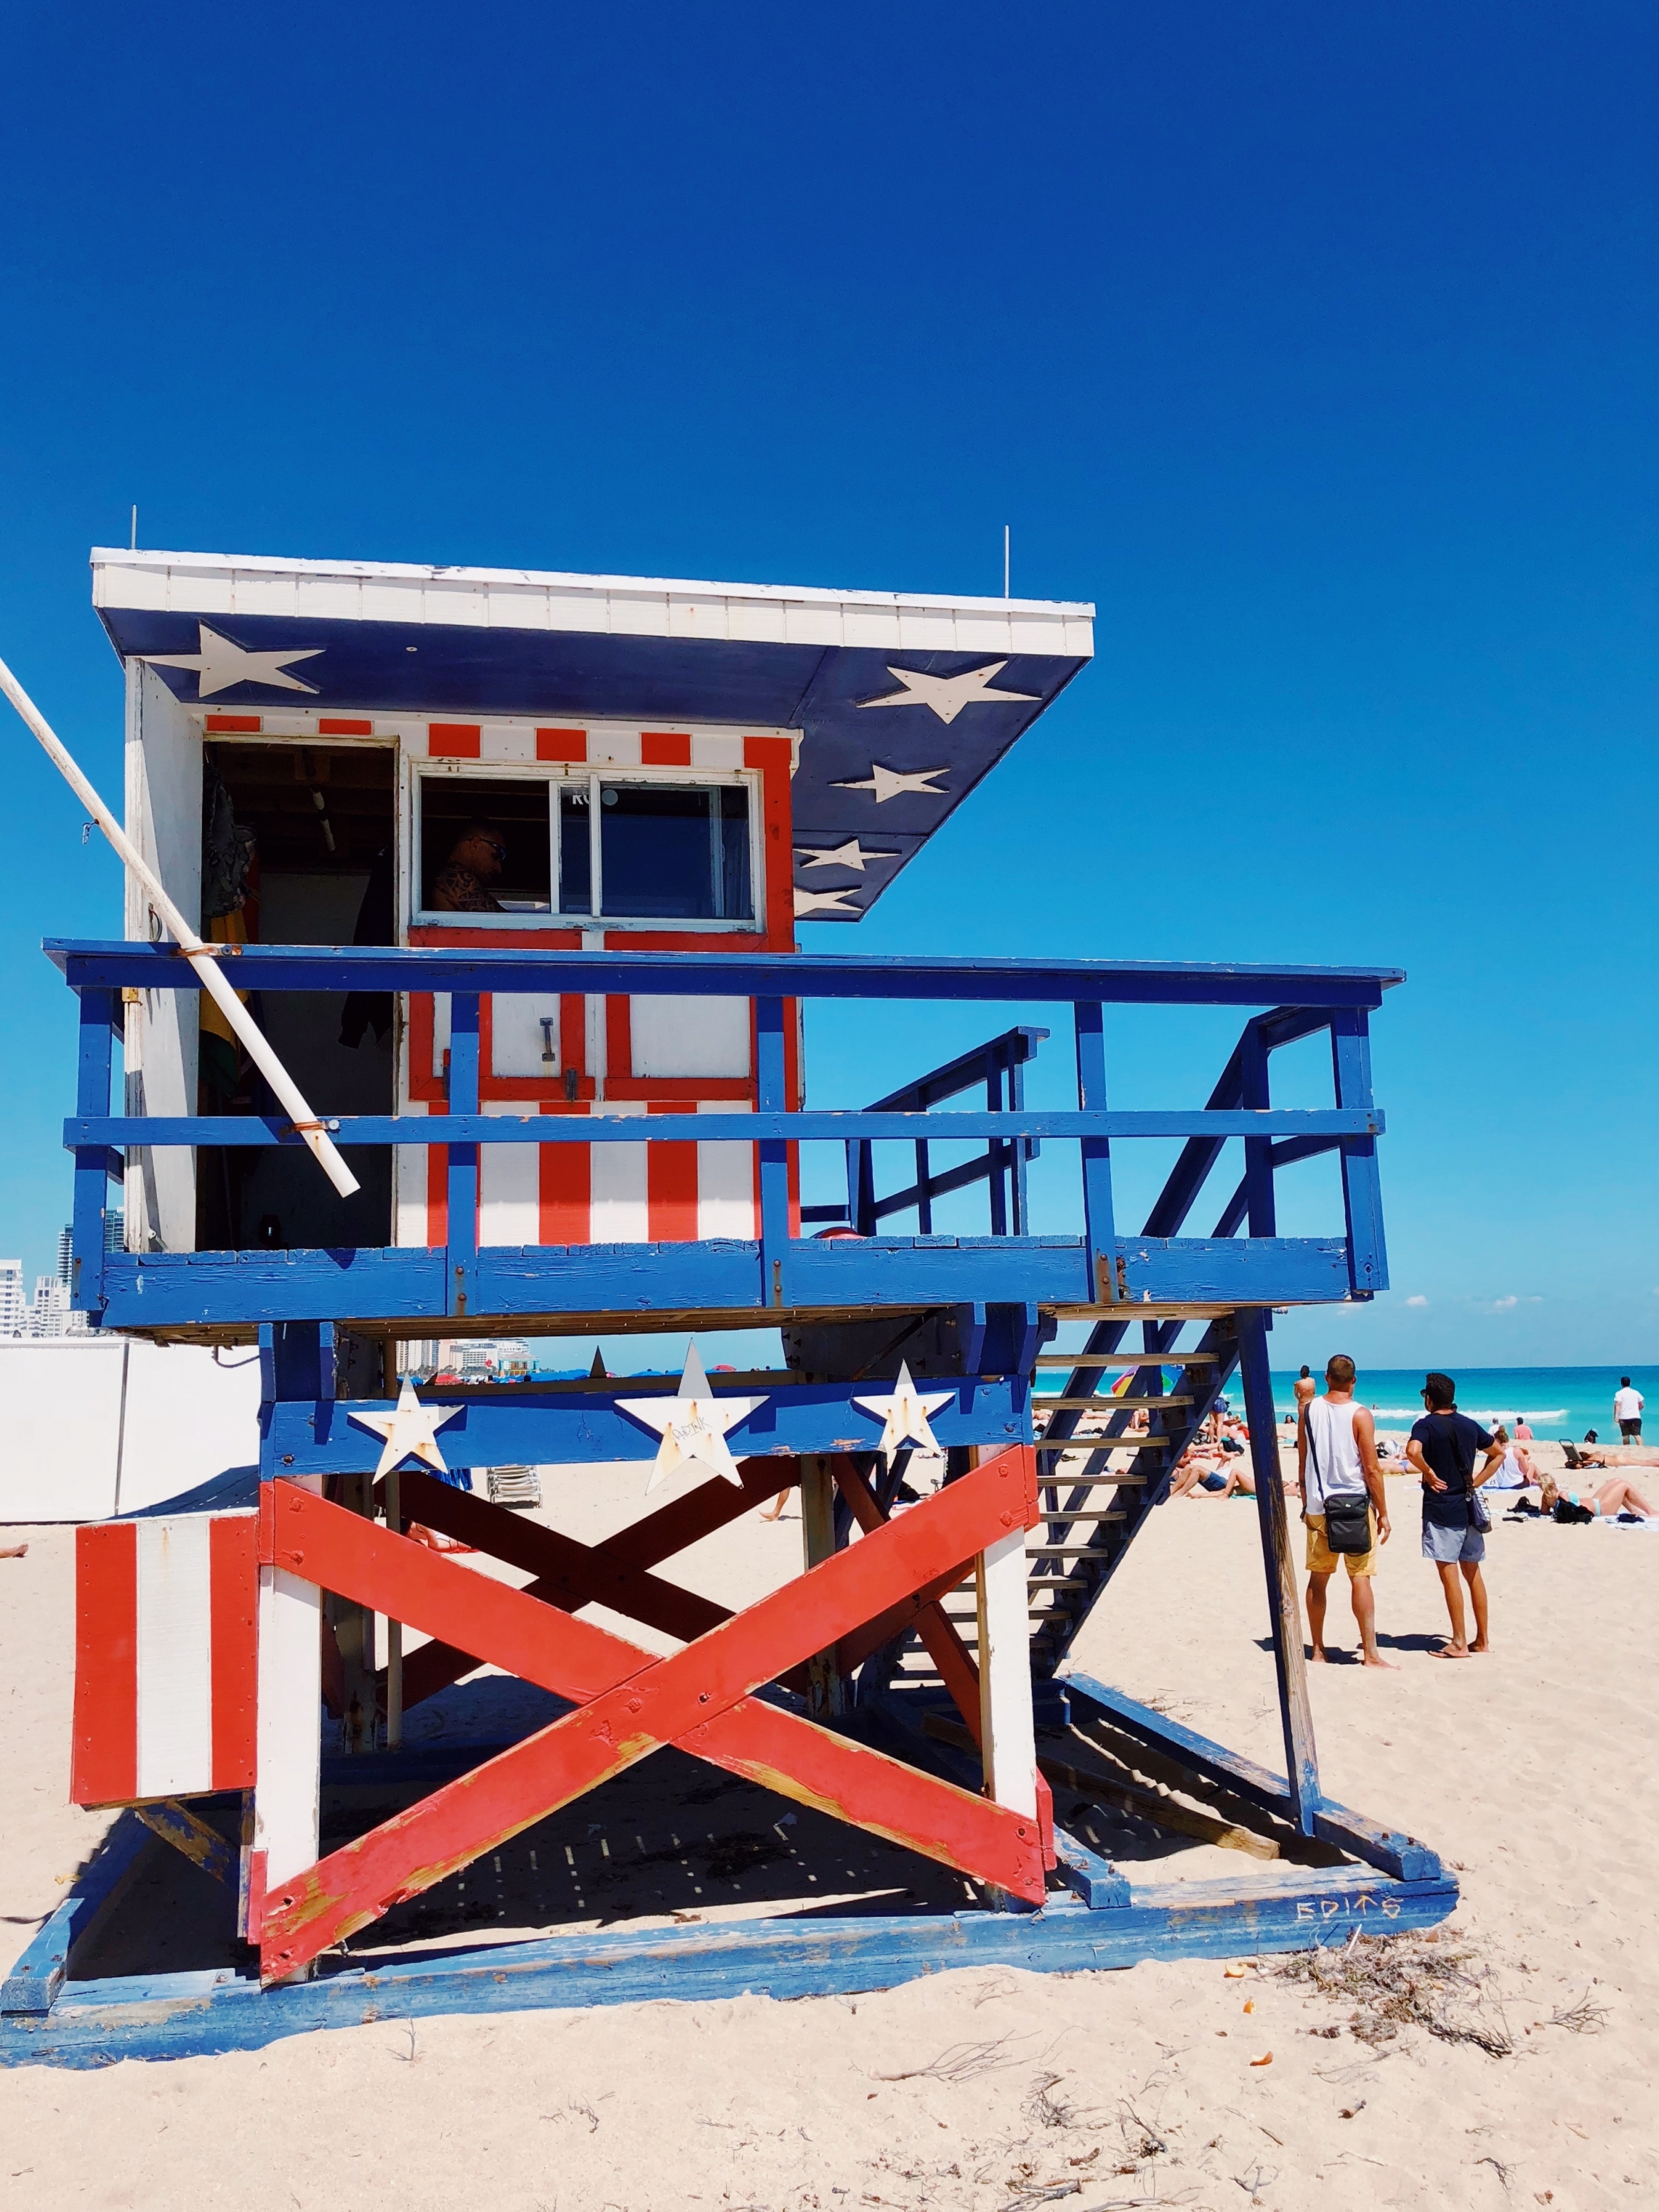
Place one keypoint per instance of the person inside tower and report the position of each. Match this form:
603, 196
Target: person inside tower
475, 858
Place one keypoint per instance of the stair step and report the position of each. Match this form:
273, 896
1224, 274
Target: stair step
1088, 1513
1108, 1404
1055, 1481
1065, 1550
1118, 1361
1106, 1443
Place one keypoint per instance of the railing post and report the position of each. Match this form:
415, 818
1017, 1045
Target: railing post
463, 1158
996, 1153
1099, 1230
91, 1161
772, 1097
1019, 1152
1362, 1191
1254, 1092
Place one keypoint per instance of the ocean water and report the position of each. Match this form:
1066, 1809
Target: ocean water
1557, 1401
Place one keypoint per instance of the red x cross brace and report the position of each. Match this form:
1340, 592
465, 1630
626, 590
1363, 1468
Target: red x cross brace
631, 1704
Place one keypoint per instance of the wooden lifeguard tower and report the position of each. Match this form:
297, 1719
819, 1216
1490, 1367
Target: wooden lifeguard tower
509, 866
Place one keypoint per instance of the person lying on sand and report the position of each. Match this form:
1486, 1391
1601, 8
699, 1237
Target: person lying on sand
1591, 1454
1618, 1494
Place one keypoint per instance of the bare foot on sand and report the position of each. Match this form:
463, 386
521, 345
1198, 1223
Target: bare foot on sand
1316, 1656
1451, 1651
1379, 1660
14, 1552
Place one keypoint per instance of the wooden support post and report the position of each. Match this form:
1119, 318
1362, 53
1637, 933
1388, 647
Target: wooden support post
1255, 1091
463, 1158
826, 1696
772, 1094
288, 1736
394, 1629
1301, 1760
1362, 1192
1007, 1729
1099, 1232
97, 1010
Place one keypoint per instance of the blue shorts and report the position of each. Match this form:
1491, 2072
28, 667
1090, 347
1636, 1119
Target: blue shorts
1452, 1547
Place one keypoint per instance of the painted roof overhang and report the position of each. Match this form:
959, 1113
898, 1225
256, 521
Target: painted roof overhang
888, 752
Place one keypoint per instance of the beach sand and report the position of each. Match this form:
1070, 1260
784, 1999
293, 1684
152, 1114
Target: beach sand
1533, 1771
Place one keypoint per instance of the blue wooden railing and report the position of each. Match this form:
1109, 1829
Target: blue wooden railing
779, 1272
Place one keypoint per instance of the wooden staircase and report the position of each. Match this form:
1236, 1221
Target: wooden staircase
1096, 1482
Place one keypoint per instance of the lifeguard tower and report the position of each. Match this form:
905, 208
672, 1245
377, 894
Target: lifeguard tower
509, 866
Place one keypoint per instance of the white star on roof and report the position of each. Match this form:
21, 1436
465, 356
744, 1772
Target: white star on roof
692, 1425
219, 664
893, 783
807, 903
409, 1430
947, 695
852, 854
904, 1415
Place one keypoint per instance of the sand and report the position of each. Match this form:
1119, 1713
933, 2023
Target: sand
1532, 1771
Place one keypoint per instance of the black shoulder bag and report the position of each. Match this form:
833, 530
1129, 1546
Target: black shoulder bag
1348, 1516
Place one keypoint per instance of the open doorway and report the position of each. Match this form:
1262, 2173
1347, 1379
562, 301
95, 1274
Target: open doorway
299, 847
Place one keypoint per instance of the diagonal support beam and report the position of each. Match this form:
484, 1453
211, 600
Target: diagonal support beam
632, 1706
944, 1647
569, 1574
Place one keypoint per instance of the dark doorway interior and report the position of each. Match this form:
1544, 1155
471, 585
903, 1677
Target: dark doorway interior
298, 847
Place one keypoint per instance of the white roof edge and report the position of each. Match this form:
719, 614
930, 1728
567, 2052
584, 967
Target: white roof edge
105, 558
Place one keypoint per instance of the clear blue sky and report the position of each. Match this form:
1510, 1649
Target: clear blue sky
1316, 344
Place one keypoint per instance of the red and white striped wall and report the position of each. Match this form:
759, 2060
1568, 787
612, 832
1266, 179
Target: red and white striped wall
165, 1649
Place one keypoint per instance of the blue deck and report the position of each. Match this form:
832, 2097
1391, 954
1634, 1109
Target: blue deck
782, 1275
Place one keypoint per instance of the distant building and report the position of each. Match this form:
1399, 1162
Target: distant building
115, 1230
13, 1311
66, 1256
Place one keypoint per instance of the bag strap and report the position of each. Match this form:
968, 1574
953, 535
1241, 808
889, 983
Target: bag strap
1313, 1454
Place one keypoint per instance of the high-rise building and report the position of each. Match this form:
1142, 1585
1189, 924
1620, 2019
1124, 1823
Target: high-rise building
115, 1230
14, 1313
66, 1255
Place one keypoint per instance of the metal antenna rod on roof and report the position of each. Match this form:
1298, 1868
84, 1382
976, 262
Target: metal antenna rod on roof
1004, 557
133, 546
200, 956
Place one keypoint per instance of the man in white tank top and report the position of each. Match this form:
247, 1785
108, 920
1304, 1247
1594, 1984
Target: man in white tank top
1336, 1457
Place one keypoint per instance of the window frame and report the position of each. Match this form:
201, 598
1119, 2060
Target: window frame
559, 776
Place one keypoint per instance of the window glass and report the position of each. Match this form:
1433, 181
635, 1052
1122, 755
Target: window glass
675, 852
485, 846
575, 849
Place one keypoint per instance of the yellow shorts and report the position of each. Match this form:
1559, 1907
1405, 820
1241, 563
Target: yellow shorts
1321, 1560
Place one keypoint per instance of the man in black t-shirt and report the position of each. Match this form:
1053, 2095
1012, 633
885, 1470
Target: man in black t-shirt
1444, 1447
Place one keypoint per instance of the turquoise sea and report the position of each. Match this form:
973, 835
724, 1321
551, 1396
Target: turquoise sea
1557, 1401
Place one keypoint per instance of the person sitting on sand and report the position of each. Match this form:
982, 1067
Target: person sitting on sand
1516, 1471
1197, 1471
1233, 1479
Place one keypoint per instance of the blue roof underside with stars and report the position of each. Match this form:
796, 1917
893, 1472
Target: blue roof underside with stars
922, 753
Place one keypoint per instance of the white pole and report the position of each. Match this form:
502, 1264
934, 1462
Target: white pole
1004, 561
199, 954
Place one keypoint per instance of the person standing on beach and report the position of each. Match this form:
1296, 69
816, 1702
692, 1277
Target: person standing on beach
1442, 1448
1627, 1412
1336, 1457
1306, 1390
